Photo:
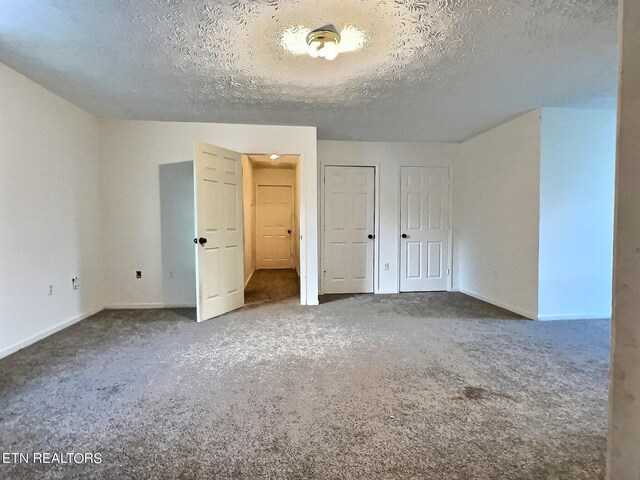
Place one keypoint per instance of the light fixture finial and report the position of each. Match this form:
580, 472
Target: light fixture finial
323, 42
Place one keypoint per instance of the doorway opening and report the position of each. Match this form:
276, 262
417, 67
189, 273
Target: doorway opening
271, 216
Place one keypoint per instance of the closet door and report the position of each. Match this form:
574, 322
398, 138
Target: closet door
424, 228
274, 218
348, 244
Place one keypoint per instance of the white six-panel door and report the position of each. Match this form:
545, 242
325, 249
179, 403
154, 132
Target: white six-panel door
348, 246
274, 218
219, 248
424, 228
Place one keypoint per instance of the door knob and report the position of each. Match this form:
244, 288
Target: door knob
370, 236
289, 232
195, 240
404, 235
202, 241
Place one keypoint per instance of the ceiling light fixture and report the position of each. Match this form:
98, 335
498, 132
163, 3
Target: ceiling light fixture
323, 42
298, 40
273, 157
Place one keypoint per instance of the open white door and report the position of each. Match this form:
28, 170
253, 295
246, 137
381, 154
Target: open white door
219, 248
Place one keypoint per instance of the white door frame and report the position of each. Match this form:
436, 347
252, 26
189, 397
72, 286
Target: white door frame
293, 213
450, 236
376, 220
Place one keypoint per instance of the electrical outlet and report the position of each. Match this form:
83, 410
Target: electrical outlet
386, 266
50, 290
138, 273
74, 283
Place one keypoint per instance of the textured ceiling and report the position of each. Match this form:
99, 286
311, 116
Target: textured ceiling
429, 70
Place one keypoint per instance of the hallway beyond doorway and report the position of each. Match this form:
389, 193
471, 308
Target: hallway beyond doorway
271, 285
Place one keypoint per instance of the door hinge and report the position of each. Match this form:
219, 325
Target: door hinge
448, 271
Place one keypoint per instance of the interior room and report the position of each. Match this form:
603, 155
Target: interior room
311, 240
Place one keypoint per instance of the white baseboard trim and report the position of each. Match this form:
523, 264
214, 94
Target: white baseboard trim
386, 292
506, 306
249, 279
146, 306
50, 331
575, 316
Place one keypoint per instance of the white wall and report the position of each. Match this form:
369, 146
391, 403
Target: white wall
49, 212
176, 217
131, 153
496, 215
249, 219
577, 166
387, 157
